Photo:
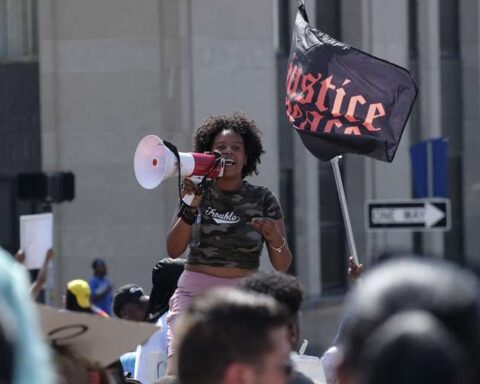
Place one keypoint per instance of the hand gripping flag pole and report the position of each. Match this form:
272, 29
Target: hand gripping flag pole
342, 100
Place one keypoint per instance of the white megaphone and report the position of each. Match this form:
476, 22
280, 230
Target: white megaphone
154, 162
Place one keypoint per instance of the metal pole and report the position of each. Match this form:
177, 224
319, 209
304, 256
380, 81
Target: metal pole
343, 204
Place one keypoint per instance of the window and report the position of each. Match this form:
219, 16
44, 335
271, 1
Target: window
333, 240
18, 30
327, 14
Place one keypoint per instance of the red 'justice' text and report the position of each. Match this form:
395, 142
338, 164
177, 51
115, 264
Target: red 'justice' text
309, 107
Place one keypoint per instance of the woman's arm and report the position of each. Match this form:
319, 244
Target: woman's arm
273, 232
41, 279
178, 237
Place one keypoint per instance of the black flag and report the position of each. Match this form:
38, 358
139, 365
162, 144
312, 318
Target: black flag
342, 100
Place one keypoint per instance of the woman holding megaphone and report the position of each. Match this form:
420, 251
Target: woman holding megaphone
226, 224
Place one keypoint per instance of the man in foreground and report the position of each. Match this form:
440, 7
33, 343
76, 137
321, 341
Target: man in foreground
232, 337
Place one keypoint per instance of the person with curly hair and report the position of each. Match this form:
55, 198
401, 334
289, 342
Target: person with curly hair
286, 289
227, 224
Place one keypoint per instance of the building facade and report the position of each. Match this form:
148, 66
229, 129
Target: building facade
110, 72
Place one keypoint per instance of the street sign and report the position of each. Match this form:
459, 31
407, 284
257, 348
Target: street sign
414, 215
430, 168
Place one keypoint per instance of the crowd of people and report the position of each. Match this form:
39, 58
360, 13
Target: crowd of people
222, 321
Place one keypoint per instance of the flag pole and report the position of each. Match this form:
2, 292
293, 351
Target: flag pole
343, 204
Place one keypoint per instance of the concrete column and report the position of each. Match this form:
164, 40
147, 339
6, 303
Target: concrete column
430, 97
388, 39
470, 55
49, 132
307, 200
428, 24
100, 92
307, 214
357, 184
176, 93
366, 27
15, 28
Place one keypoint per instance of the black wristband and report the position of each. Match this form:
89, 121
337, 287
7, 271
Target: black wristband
187, 213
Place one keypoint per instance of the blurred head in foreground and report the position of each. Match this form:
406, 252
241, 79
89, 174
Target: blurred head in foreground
412, 321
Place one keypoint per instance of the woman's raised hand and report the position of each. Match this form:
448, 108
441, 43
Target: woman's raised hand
190, 188
269, 229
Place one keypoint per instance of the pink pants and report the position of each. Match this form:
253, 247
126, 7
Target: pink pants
189, 285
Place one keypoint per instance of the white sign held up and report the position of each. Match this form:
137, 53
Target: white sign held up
36, 238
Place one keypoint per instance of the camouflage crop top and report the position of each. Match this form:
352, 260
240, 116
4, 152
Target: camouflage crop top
225, 237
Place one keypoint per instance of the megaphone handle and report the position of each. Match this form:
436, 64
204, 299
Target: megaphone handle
187, 199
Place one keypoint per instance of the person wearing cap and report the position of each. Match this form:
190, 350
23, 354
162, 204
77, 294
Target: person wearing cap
130, 303
100, 286
78, 298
